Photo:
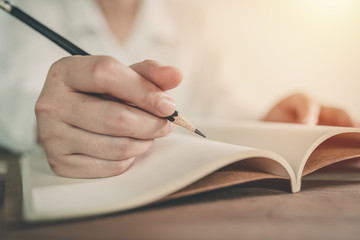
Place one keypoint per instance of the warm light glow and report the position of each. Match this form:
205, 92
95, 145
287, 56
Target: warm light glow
332, 6
278, 47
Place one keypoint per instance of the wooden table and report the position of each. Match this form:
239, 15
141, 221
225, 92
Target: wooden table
325, 209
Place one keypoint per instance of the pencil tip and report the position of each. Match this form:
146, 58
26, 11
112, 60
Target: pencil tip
200, 133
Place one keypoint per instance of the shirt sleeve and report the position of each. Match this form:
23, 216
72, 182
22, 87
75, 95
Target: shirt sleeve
25, 59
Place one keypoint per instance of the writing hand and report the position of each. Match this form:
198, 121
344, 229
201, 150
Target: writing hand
85, 123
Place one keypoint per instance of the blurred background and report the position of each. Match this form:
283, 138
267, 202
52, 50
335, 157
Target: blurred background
279, 47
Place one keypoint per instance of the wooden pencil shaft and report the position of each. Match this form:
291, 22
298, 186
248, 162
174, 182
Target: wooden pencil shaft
178, 119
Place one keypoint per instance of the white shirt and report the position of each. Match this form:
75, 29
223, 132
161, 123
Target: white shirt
171, 32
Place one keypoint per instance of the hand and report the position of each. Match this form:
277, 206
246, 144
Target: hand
84, 119
300, 108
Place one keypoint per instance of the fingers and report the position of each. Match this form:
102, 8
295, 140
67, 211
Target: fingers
297, 108
306, 110
73, 152
82, 166
66, 145
105, 75
106, 147
335, 117
95, 115
164, 77
113, 118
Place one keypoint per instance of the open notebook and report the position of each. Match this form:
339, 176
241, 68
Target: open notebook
180, 165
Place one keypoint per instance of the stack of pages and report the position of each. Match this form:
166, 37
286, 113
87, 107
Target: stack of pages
181, 165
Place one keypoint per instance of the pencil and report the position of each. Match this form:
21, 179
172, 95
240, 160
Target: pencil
71, 48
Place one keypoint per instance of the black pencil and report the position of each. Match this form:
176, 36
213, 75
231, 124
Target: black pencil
71, 48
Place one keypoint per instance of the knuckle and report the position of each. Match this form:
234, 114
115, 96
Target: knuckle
44, 105
56, 68
128, 148
117, 148
155, 100
43, 134
55, 165
103, 71
123, 149
149, 62
117, 122
41, 106
47, 109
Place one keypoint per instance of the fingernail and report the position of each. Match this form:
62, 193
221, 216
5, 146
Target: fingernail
166, 105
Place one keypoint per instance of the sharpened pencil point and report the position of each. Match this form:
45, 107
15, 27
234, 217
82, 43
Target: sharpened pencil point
5, 5
200, 133
178, 119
